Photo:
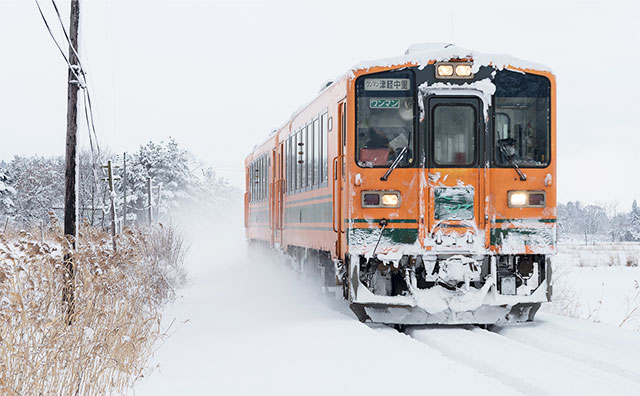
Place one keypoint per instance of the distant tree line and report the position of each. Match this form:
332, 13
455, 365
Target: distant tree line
601, 219
32, 187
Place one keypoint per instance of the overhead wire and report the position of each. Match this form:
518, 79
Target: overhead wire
72, 68
79, 73
90, 123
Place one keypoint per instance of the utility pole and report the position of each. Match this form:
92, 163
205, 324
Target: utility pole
71, 171
158, 203
149, 199
112, 197
124, 189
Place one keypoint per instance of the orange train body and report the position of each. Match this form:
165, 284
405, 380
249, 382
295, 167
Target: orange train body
424, 186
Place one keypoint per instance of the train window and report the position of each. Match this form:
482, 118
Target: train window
384, 119
260, 179
316, 151
521, 120
305, 156
267, 183
325, 145
454, 134
310, 156
288, 164
299, 157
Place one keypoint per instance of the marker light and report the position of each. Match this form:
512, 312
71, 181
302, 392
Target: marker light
371, 199
390, 200
463, 70
517, 199
445, 70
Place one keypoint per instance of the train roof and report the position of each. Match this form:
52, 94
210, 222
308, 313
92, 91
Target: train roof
422, 54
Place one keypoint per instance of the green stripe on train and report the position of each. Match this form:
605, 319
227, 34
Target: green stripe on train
396, 235
530, 236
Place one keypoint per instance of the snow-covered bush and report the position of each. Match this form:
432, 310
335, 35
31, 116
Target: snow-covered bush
99, 344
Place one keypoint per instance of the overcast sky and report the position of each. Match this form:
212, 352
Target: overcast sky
219, 76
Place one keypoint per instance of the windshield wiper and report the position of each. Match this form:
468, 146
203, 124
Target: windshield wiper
395, 163
523, 177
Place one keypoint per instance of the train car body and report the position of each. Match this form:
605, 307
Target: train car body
423, 185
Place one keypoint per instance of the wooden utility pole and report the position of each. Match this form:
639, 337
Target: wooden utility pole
149, 200
158, 203
71, 170
112, 197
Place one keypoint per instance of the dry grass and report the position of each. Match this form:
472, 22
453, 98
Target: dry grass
104, 345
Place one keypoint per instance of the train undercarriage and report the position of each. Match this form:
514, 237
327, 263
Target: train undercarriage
447, 288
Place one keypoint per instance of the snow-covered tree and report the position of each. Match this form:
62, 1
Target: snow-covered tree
169, 168
7, 192
39, 186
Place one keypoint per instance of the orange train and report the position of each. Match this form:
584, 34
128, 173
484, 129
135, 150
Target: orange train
423, 185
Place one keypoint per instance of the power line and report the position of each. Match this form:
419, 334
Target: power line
72, 68
64, 30
90, 124
80, 75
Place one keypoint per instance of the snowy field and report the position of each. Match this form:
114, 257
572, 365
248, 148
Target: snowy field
253, 328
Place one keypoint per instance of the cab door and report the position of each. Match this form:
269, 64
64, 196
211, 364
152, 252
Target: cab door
453, 142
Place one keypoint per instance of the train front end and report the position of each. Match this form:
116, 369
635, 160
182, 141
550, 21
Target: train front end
449, 189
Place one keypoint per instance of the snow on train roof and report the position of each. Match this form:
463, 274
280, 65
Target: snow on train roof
423, 53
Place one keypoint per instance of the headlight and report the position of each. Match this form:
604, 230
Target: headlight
517, 199
380, 199
390, 200
526, 199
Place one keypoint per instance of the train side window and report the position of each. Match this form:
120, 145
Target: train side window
303, 169
259, 179
316, 152
325, 145
254, 184
310, 155
287, 163
299, 153
265, 183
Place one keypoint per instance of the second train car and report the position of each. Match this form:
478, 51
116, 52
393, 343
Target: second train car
423, 185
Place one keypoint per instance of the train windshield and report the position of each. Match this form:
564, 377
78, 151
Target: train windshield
521, 120
384, 119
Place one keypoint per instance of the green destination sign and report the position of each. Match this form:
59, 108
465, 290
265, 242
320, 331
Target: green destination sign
384, 103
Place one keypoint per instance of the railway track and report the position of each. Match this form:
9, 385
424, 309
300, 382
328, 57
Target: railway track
553, 356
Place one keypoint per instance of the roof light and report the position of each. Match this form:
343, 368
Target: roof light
463, 70
445, 70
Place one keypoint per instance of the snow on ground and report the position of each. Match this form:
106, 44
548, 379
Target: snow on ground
554, 356
254, 328
594, 283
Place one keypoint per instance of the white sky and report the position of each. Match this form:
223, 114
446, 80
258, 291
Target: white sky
219, 76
